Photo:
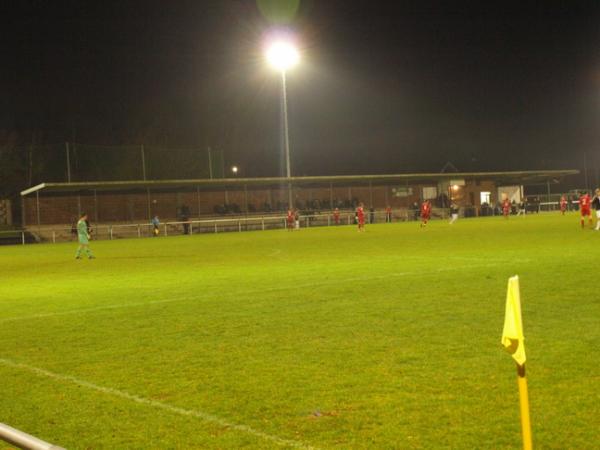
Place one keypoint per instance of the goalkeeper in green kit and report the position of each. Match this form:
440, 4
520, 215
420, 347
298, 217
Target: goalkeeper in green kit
84, 237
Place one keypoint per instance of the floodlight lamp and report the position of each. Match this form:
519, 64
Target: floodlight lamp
234, 169
282, 55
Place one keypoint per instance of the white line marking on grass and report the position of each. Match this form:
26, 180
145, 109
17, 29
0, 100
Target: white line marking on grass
255, 291
470, 258
207, 417
92, 309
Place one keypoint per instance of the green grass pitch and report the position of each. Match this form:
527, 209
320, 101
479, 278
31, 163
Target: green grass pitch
322, 338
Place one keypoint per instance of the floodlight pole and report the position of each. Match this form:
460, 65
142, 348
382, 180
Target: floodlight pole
286, 138
68, 163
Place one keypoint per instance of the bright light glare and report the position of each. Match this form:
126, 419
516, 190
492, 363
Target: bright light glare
234, 169
455, 187
282, 55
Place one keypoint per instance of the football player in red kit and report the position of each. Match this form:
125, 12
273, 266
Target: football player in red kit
360, 215
506, 208
290, 220
425, 212
563, 205
336, 216
585, 203
388, 214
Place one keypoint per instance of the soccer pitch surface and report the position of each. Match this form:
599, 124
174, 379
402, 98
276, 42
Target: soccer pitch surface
318, 338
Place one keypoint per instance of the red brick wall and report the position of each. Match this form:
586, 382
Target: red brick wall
133, 207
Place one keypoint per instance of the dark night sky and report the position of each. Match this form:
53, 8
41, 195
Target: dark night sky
383, 86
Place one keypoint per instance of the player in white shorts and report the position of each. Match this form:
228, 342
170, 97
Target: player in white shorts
453, 213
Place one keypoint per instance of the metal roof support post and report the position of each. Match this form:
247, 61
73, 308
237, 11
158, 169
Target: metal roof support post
23, 215
270, 191
148, 204
96, 215
370, 193
331, 195
143, 162
198, 198
585, 171
37, 206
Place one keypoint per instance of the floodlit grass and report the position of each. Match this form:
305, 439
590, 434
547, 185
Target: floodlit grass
324, 337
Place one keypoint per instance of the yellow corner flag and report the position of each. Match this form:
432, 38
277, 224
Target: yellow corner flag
512, 334
513, 341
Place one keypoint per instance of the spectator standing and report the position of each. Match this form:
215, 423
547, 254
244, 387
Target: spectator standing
415, 208
184, 216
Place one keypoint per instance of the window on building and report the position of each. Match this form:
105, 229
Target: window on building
486, 197
429, 193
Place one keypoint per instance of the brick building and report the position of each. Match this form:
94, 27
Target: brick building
136, 201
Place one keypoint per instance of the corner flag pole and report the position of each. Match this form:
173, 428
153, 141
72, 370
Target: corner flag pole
514, 342
524, 403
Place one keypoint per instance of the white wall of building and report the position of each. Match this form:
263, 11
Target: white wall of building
511, 192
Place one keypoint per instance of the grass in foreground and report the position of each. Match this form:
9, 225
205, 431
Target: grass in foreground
324, 337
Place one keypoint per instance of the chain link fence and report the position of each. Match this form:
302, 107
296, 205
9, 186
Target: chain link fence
71, 162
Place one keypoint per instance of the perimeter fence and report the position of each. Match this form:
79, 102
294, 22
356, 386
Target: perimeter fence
73, 162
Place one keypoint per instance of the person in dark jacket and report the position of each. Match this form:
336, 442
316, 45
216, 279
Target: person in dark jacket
184, 216
596, 206
453, 213
416, 210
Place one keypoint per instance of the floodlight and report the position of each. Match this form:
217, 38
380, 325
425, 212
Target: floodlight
234, 169
282, 55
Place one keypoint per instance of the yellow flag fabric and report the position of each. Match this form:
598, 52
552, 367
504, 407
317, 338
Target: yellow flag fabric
512, 334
